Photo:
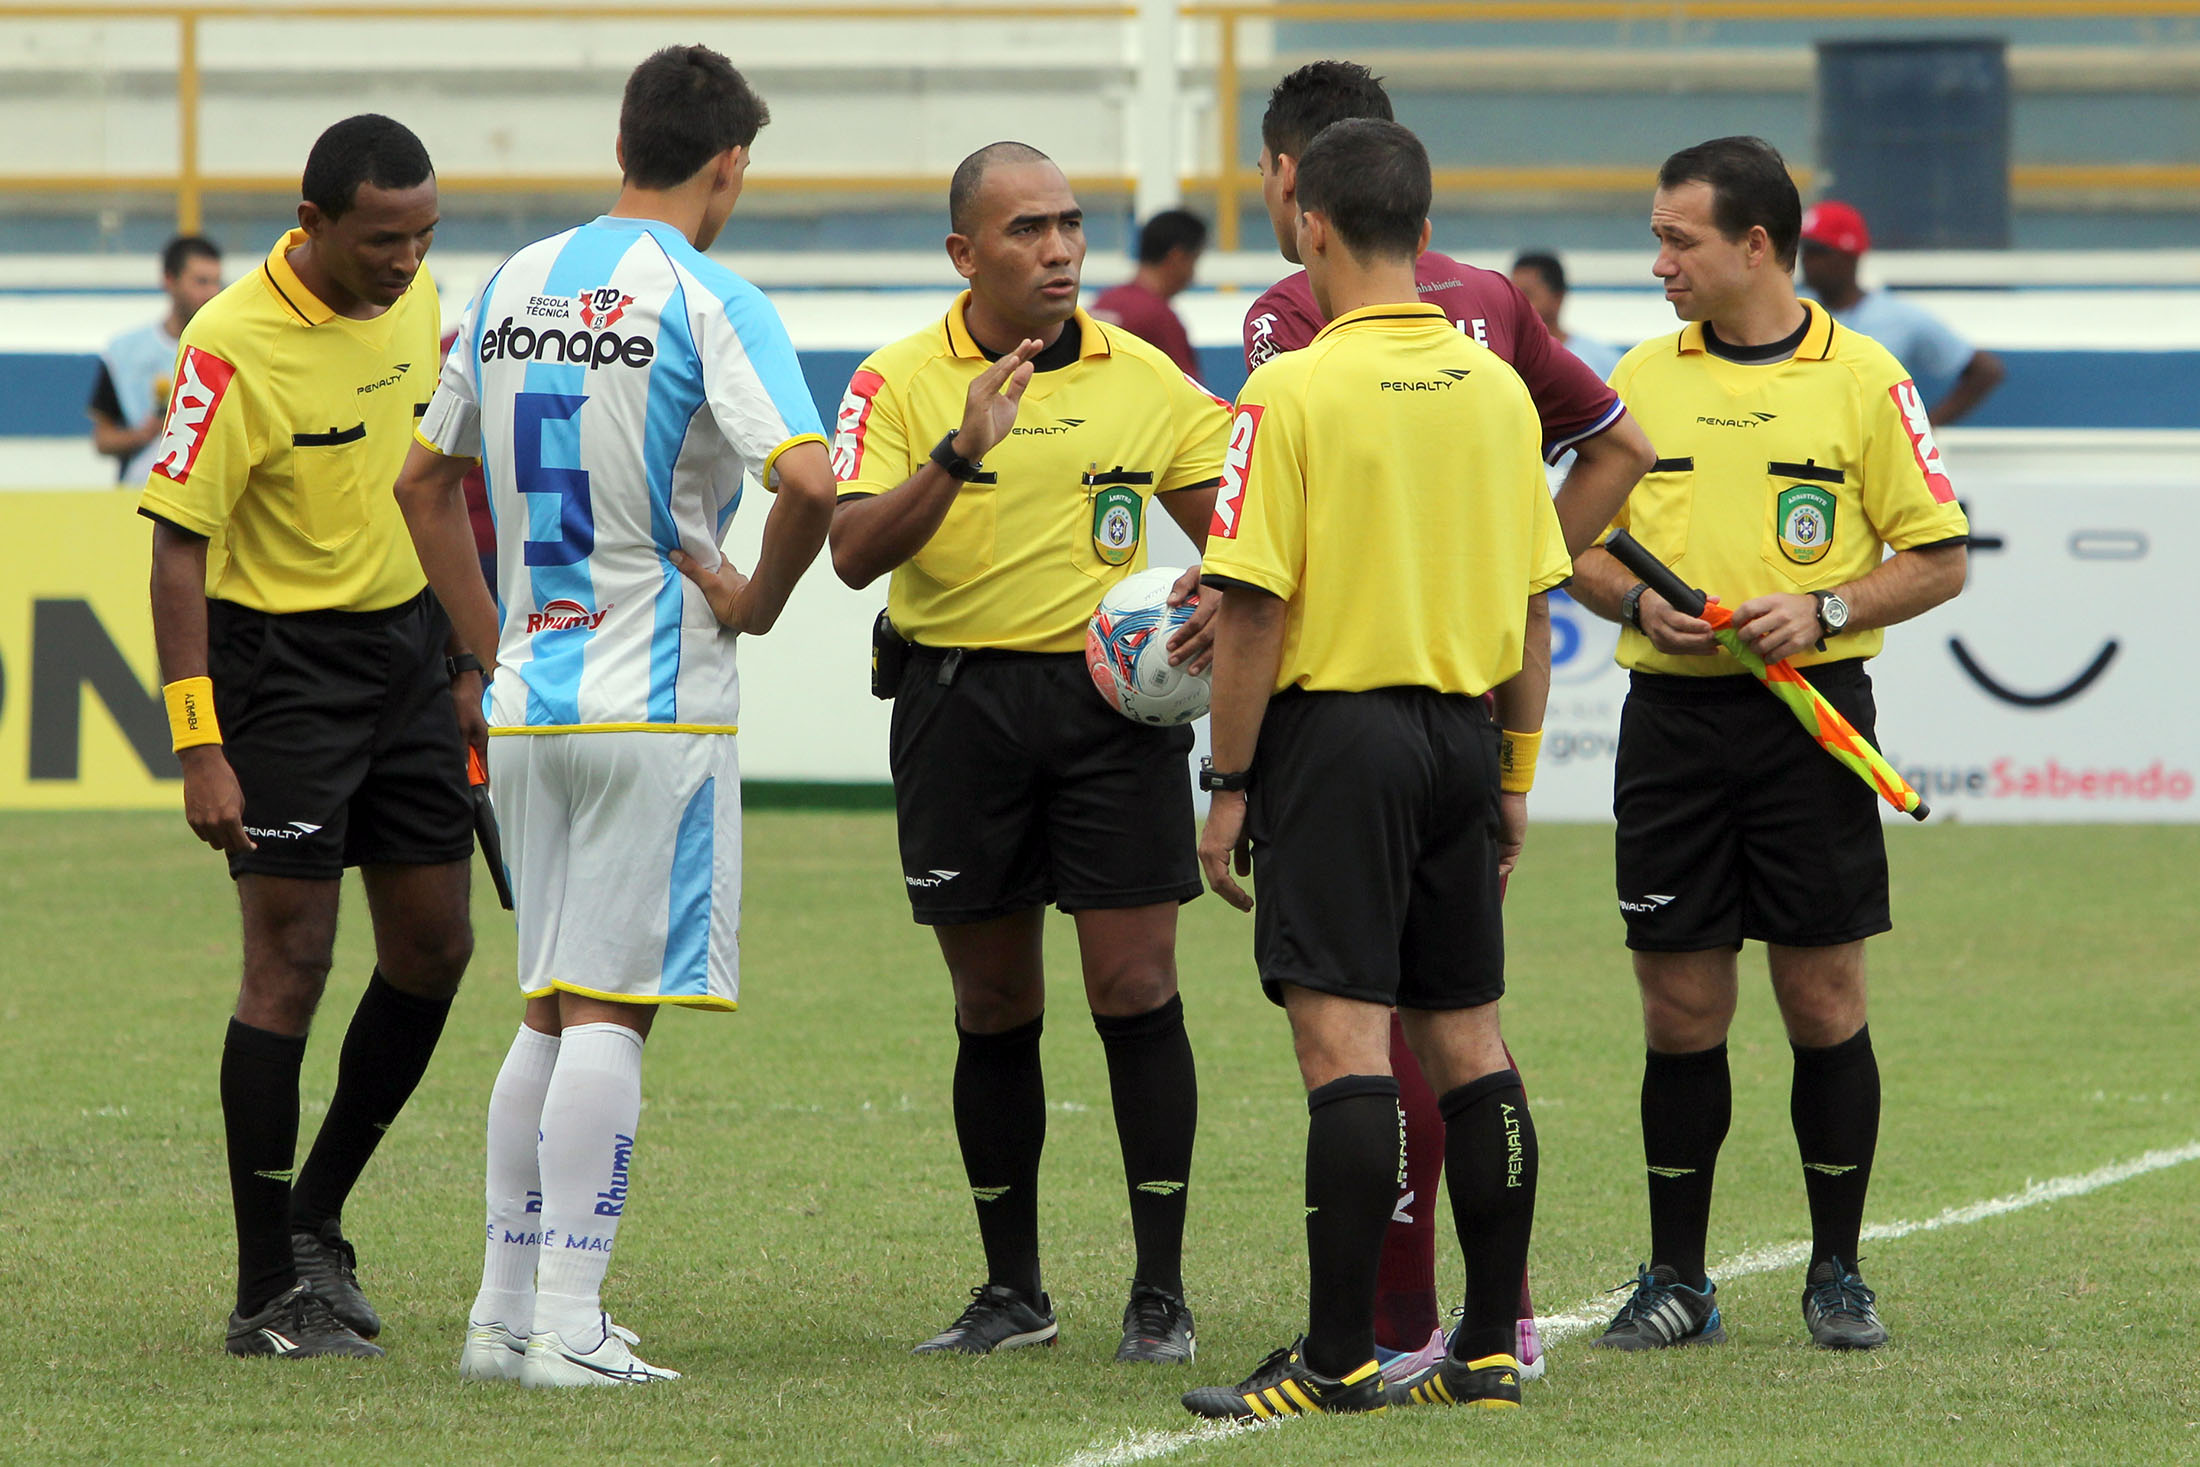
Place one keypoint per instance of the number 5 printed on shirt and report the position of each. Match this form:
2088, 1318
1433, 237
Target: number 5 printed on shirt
532, 413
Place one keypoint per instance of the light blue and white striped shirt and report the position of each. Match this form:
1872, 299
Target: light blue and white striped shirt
617, 385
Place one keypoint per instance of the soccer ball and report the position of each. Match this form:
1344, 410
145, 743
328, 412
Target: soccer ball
1127, 652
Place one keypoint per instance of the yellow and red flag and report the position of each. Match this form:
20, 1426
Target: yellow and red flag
1824, 722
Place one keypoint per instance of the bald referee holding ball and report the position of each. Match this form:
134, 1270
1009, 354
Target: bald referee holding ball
1000, 464
320, 721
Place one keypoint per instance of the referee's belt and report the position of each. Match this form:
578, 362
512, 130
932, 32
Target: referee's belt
983, 654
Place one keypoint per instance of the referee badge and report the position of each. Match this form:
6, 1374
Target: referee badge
1116, 514
1805, 513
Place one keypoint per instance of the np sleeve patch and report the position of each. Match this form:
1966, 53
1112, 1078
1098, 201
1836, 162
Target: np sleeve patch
1237, 460
202, 380
853, 422
1919, 426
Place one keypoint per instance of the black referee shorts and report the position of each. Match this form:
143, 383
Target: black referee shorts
1374, 824
1016, 785
343, 735
1734, 824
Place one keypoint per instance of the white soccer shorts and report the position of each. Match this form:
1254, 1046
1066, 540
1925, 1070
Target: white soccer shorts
624, 850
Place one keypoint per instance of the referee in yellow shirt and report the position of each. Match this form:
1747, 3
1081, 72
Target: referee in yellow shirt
314, 707
1796, 455
1001, 464
1385, 537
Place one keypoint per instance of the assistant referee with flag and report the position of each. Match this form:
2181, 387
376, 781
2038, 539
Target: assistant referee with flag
1385, 536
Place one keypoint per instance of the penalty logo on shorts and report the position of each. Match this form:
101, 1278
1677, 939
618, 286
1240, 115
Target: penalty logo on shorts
1805, 513
1115, 523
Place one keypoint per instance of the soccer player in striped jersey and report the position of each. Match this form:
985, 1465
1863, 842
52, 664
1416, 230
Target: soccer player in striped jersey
616, 386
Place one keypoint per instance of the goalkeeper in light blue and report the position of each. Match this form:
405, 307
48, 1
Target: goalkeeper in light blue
617, 387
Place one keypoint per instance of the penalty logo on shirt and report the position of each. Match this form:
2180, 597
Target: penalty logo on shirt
1805, 514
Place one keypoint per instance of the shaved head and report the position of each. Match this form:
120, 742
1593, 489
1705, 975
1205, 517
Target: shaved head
962, 191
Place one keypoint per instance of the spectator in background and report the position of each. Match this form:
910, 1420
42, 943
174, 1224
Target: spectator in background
1834, 239
138, 367
1169, 248
1542, 280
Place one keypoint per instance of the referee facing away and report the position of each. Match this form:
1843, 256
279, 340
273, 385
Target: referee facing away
1797, 455
1001, 464
316, 712
1386, 540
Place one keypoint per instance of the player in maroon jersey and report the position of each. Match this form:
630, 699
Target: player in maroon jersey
1579, 413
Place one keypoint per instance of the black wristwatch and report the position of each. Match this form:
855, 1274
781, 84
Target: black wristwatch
1833, 613
1213, 781
463, 662
961, 470
1630, 605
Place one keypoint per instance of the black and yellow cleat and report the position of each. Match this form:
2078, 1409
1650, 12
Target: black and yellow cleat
1491, 1383
1285, 1385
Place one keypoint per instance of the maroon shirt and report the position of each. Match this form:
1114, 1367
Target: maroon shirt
1573, 401
1147, 316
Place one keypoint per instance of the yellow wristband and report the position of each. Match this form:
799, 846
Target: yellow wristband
1516, 760
191, 713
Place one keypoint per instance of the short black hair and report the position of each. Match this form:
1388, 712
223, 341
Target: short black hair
1545, 264
683, 107
1314, 96
1370, 180
1171, 229
1750, 186
962, 189
369, 148
185, 248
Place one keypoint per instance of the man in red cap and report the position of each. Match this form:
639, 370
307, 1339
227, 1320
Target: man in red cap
1834, 239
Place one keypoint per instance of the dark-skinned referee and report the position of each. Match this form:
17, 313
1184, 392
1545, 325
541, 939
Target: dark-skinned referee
312, 702
1001, 464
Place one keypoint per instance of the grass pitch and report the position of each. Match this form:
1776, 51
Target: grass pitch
799, 1218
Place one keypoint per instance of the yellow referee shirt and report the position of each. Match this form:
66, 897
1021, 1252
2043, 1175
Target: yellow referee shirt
1387, 482
1059, 515
286, 428
1791, 476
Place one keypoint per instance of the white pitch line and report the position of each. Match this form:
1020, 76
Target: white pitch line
1146, 1446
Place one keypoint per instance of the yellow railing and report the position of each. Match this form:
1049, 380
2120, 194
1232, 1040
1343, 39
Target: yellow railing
1227, 183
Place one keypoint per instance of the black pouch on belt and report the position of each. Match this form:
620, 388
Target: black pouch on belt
889, 655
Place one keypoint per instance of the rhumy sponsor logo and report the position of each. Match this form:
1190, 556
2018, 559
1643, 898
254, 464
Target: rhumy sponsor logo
611, 1201
562, 615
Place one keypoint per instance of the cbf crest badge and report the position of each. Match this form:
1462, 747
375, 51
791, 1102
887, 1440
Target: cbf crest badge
1115, 523
1805, 514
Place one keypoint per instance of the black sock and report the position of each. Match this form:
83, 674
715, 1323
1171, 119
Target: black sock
1355, 1150
1687, 1104
260, 1117
1156, 1096
1001, 1121
386, 1051
1490, 1166
1835, 1108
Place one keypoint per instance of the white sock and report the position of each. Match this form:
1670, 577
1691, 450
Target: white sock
588, 1123
514, 1230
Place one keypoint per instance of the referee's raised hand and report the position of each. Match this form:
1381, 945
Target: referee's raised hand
990, 409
